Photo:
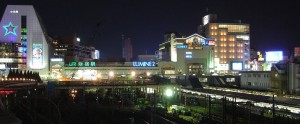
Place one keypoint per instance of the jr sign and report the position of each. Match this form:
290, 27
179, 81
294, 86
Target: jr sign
82, 64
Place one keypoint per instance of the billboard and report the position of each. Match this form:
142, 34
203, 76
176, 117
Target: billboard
209, 42
194, 43
237, 66
274, 56
297, 52
37, 54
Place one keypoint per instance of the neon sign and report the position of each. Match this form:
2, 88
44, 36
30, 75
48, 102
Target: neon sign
82, 64
181, 46
10, 29
143, 64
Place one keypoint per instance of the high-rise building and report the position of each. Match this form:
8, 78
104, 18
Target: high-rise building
23, 41
126, 48
232, 41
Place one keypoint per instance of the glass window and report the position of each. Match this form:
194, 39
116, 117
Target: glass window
202, 79
230, 79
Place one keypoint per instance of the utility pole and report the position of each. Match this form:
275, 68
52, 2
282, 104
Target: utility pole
273, 109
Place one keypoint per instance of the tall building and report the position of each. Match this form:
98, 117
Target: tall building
232, 41
126, 48
23, 41
69, 48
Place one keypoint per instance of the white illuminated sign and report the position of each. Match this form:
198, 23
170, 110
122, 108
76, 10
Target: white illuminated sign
205, 19
56, 59
14, 11
238, 66
274, 56
243, 37
6, 60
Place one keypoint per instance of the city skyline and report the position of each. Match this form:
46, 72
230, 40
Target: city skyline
147, 21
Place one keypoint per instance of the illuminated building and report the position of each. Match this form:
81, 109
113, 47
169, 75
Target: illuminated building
192, 55
126, 48
232, 41
69, 48
23, 41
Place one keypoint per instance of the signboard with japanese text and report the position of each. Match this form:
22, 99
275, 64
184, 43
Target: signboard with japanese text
82, 64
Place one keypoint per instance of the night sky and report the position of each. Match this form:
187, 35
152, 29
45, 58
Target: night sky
274, 25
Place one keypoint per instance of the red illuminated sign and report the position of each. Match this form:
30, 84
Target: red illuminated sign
6, 92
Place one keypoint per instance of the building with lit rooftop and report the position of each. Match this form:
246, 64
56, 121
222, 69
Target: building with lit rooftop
232, 42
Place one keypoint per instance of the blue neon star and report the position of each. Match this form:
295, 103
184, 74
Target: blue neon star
10, 29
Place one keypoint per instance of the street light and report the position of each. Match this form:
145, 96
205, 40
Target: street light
169, 92
132, 73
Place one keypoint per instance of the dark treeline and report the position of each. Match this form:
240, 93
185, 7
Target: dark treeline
23, 75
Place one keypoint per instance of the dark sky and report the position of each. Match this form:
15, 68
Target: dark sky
274, 25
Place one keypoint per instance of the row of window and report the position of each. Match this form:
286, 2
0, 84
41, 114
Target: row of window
227, 79
257, 75
263, 84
